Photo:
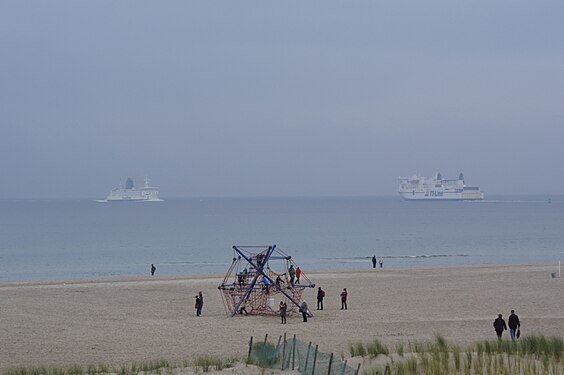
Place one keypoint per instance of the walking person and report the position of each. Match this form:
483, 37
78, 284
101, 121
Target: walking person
320, 296
499, 326
153, 269
514, 325
304, 310
381, 261
298, 274
374, 261
282, 310
344, 296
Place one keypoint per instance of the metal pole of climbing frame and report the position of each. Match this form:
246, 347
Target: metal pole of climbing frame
344, 367
358, 369
265, 338
330, 363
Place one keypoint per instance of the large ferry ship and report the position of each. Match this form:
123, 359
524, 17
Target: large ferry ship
437, 188
131, 193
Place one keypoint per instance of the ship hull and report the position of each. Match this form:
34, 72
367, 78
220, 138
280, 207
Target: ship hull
420, 196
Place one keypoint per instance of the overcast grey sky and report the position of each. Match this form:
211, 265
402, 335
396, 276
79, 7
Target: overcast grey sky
279, 98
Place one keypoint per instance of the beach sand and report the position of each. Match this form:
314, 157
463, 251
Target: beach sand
118, 321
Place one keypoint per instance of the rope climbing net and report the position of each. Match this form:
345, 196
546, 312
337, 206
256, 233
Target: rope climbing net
259, 278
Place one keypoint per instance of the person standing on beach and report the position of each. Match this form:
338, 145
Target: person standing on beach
304, 310
514, 324
292, 273
381, 261
298, 274
320, 296
282, 309
344, 296
499, 326
374, 261
199, 304
153, 269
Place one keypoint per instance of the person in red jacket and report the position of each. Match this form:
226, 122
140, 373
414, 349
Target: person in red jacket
298, 274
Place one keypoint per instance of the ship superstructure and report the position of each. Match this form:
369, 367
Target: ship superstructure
131, 193
437, 188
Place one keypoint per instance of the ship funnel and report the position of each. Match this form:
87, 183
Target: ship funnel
129, 183
439, 176
461, 177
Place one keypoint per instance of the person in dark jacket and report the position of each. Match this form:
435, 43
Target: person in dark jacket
374, 261
499, 326
514, 324
199, 304
320, 296
153, 269
344, 296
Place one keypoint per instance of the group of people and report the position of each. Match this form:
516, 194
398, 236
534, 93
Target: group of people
304, 309
295, 274
377, 261
321, 296
514, 325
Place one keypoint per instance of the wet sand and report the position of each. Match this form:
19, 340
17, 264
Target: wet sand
118, 321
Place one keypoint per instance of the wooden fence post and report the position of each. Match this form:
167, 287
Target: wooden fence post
283, 351
293, 352
314, 360
307, 356
250, 349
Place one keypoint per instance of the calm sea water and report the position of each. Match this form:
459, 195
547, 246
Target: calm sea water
64, 239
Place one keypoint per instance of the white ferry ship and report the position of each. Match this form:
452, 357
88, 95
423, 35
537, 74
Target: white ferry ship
436, 188
131, 193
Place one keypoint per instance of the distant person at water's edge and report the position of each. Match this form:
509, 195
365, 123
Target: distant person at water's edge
344, 296
381, 261
153, 269
298, 274
320, 296
374, 261
499, 326
514, 324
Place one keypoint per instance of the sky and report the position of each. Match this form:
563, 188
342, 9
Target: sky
279, 98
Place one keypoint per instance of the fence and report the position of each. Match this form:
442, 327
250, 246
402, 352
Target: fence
294, 354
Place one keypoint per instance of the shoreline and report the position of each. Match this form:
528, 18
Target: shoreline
219, 276
120, 320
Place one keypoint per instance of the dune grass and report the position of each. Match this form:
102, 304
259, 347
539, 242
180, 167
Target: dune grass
533, 355
204, 363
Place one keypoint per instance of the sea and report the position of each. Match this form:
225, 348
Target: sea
80, 238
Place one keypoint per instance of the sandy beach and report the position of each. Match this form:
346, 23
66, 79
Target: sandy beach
118, 321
